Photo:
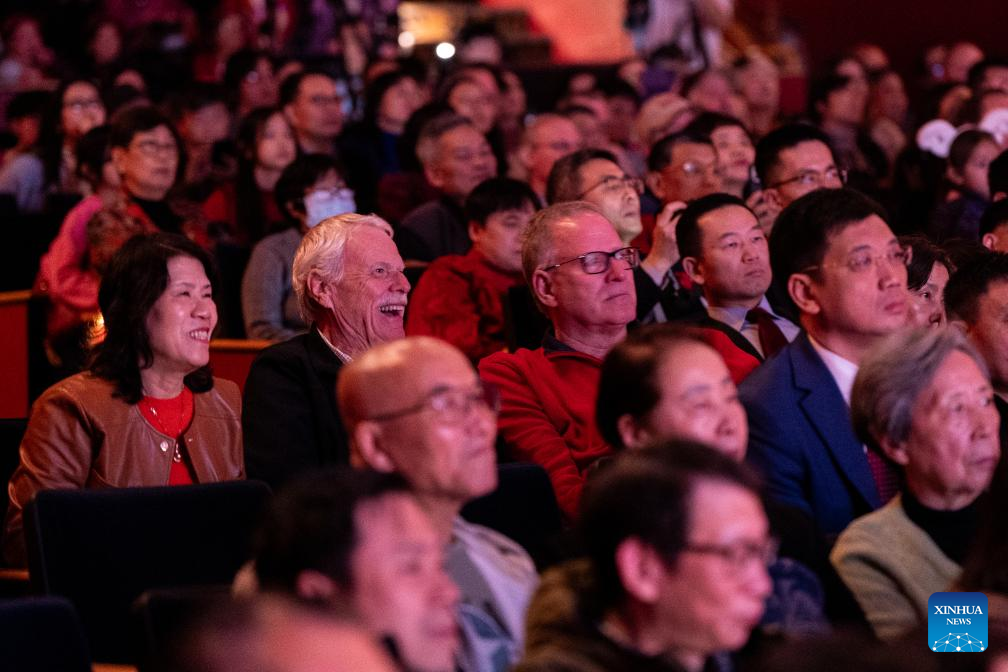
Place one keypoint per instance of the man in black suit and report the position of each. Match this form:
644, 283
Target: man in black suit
725, 253
348, 277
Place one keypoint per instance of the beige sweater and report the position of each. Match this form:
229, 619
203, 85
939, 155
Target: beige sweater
891, 566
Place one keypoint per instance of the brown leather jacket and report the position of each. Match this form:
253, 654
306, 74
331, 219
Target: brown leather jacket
80, 436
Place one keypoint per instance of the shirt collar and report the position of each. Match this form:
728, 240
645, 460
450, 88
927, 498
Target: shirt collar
343, 357
843, 370
735, 316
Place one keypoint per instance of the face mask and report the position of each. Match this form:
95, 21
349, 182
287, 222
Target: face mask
324, 203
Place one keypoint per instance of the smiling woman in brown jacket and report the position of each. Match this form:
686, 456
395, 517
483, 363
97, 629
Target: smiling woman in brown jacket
148, 412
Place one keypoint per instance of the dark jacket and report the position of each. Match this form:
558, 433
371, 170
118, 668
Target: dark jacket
80, 436
289, 415
562, 634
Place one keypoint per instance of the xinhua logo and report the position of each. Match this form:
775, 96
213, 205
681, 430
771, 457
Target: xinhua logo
957, 622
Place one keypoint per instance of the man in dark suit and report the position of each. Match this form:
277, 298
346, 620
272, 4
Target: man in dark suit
846, 275
976, 298
348, 277
725, 253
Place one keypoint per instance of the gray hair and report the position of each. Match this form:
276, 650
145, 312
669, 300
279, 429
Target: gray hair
322, 251
537, 239
894, 374
427, 150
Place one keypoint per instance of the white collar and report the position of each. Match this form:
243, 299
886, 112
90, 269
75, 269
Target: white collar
843, 370
345, 358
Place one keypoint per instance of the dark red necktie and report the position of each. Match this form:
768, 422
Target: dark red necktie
885, 475
771, 338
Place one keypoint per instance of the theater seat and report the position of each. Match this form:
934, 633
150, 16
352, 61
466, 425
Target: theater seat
42, 634
103, 548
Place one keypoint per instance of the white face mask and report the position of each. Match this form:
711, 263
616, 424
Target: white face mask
324, 203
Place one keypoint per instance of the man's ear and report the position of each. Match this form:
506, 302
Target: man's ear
694, 269
315, 586
632, 434
803, 292
640, 570
434, 176
317, 286
989, 241
656, 183
475, 230
367, 440
542, 288
118, 156
953, 175
524, 155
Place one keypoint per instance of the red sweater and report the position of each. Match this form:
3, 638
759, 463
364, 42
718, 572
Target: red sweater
548, 414
460, 299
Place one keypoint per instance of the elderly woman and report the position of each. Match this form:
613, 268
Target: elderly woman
923, 397
348, 277
148, 412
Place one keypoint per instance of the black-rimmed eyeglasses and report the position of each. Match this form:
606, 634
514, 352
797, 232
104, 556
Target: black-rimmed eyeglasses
593, 263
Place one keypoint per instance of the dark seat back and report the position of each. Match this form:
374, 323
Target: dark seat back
42, 634
103, 548
524, 508
11, 432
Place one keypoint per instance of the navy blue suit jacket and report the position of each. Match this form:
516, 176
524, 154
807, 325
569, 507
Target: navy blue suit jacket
801, 439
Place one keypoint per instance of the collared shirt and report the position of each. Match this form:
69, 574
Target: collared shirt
735, 317
843, 370
345, 358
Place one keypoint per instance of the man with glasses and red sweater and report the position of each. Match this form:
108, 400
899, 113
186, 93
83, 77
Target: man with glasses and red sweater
581, 275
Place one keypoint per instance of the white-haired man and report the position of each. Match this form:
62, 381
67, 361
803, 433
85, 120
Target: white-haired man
348, 277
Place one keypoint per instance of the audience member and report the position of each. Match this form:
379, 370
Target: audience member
594, 176
349, 282
923, 398
791, 161
580, 275
461, 299
976, 298
665, 382
76, 108
994, 226
455, 158
734, 147
313, 106
416, 407
246, 207
971, 153
997, 177
270, 633
547, 138
725, 254
308, 191
148, 412
22, 174
676, 574
927, 275
359, 540
845, 272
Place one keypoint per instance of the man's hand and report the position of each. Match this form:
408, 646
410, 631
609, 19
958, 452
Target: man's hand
664, 248
766, 210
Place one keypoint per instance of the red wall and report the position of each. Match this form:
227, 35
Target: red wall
905, 28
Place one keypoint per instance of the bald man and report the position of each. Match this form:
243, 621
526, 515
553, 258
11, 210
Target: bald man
547, 138
416, 407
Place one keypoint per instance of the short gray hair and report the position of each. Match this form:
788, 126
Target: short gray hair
322, 251
537, 239
894, 374
427, 150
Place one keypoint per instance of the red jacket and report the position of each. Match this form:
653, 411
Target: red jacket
548, 414
460, 299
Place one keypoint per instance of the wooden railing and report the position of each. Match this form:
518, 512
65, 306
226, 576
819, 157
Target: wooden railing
14, 354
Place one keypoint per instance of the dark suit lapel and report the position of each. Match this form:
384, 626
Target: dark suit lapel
740, 341
827, 411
